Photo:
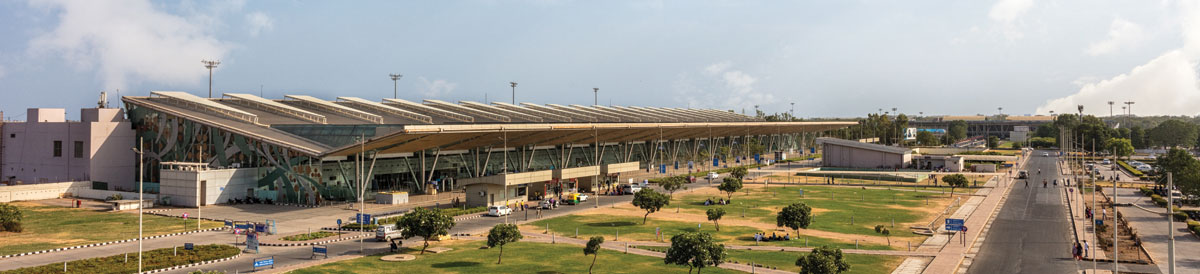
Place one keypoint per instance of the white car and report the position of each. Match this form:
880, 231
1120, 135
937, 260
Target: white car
1045, 154
1145, 168
712, 175
1106, 162
499, 211
582, 197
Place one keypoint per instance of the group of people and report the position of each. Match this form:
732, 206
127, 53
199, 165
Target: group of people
762, 237
720, 201
1079, 251
1089, 214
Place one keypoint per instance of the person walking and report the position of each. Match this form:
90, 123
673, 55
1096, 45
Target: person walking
1085, 248
1077, 251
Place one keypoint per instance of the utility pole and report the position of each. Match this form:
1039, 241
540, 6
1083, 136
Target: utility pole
514, 92
595, 96
395, 92
1129, 110
210, 65
1170, 226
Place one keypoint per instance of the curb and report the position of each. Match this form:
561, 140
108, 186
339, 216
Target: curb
193, 264
108, 243
315, 243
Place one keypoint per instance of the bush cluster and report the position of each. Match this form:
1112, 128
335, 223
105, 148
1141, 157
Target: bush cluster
10, 218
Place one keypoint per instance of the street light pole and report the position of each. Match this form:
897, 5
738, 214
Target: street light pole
595, 96
514, 92
210, 65
139, 151
395, 89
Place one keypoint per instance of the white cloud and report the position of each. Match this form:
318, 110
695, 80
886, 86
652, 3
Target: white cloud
259, 22
129, 40
435, 88
1007, 13
720, 87
1122, 34
1167, 85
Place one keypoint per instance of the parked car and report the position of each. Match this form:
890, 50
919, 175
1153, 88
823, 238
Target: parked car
1106, 162
630, 189
387, 232
499, 211
1045, 154
1145, 168
545, 204
712, 175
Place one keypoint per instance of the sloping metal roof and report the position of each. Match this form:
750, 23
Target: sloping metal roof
860, 145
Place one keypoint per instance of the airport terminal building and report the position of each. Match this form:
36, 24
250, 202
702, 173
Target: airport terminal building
307, 150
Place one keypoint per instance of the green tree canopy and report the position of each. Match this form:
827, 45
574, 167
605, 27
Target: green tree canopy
1184, 169
823, 260
502, 234
794, 216
957, 131
672, 184
926, 138
1137, 137
739, 172
955, 181
1174, 133
651, 201
695, 250
993, 142
593, 248
714, 215
10, 218
424, 223
730, 185
1119, 147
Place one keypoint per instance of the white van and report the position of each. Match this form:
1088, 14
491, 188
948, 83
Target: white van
630, 189
387, 232
1145, 168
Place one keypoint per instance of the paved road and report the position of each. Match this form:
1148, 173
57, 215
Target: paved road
1153, 229
1032, 232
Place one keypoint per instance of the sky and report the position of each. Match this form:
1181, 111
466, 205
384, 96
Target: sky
828, 58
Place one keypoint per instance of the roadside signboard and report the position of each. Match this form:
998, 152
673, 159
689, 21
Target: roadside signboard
320, 250
264, 262
954, 224
189, 246
362, 218
339, 223
252, 242
228, 223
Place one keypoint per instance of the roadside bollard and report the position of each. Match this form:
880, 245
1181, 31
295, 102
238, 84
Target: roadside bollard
618, 236
175, 251
893, 221
552, 238
626, 248
576, 232
851, 220
805, 241
855, 244
909, 245
64, 267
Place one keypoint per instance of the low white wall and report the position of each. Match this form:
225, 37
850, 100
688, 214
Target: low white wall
945, 150
57, 190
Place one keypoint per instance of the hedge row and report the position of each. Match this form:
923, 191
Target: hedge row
701, 174
153, 259
1131, 170
452, 212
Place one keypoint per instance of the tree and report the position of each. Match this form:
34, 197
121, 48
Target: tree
10, 218
794, 216
957, 131
424, 223
1184, 169
1137, 136
823, 260
926, 138
715, 214
993, 141
651, 201
1043, 142
671, 184
739, 172
502, 234
1119, 147
955, 180
886, 233
593, 248
695, 250
730, 185
1174, 133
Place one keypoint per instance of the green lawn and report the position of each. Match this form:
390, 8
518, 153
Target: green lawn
48, 227
786, 260
834, 207
520, 257
151, 259
632, 229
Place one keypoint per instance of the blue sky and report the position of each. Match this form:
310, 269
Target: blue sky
831, 58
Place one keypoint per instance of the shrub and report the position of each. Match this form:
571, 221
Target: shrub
1131, 170
1146, 191
309, 236
154, 259
1192, 224
114, 197
1180, 216
10, 218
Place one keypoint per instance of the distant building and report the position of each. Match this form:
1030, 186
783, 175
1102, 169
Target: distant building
851, 154
979, 125
49, 148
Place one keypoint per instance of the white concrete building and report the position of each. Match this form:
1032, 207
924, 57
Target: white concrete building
851, 154
49, 148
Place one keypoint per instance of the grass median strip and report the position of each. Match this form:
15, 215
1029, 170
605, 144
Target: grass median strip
309, 236
786, 260
632, 229
48, 227
151, 260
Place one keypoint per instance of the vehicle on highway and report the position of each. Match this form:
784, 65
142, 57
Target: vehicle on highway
1106, 162
1145, 168
1023, 175
712, 175
387, 232
575, 198
1045, 154
630, 189
546, 204
499, 211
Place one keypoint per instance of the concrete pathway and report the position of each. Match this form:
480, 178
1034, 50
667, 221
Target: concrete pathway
1152, 227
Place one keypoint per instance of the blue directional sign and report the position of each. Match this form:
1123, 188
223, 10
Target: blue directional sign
188, 246
955, 224
264, 262
362, 218
339, 222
